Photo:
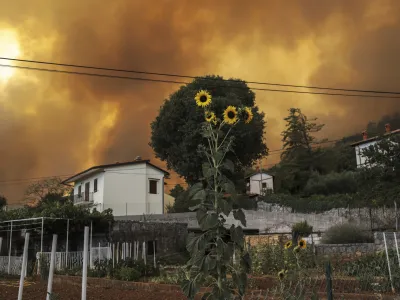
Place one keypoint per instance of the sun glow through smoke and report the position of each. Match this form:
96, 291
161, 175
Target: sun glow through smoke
9, 47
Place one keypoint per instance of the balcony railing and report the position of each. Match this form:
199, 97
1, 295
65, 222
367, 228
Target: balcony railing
83, 198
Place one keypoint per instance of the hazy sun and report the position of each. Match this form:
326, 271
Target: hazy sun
9, 47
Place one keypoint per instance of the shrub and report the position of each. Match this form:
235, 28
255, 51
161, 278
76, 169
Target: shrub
302, 229
127, 274
346, 234
332, 183
175, 259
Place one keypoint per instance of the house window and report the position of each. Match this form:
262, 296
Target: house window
95, 186
79, 191
264, 185
151, 247
153, 186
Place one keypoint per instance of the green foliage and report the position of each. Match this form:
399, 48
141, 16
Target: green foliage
177, 130
3, 201
176, 259
127, 274
346, 234
56, 206
332, 183
176, 191
302, 229
369, 269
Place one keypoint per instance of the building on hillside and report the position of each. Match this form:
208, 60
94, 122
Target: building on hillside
128, 188
260, 184
367, 142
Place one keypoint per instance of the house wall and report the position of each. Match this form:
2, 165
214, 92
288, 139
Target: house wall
255, 182
361, 160
126, 190
97, 196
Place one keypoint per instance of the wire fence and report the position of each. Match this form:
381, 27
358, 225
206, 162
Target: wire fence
278, 272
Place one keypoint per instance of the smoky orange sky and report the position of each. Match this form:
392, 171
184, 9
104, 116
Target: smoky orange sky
56, 124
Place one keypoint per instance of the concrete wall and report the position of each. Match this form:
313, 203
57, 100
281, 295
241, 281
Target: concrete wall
126, 190
345, 249
262, 220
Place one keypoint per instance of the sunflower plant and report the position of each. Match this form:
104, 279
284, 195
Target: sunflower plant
213, 249
294, 278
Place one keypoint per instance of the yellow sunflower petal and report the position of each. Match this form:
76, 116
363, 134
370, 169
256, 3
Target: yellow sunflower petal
210, 117
203, 98
302, 244
230, 115
248, 115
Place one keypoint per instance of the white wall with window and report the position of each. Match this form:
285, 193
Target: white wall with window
128, 188
260, 184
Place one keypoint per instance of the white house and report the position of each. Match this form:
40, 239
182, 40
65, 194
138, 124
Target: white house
367, 142
128, 188
260, 184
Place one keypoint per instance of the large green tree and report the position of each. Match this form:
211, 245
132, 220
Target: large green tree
176, 132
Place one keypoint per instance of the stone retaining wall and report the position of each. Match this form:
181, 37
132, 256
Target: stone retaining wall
345, 249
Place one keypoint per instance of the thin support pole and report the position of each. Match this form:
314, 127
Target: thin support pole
154, 254
397, 247
9, 250
66, 244
397, 218
1, 243
85, 262
113, 254
41, 236
117, 251
51, 271
90, 245
99, 253
24, 260
388, 261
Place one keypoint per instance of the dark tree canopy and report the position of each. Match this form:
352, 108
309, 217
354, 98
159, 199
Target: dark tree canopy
3, 201
176, 132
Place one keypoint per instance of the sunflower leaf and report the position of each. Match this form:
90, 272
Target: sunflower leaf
239, 215
207, 220
237, 234
228, 165
225, 206
195, 189
207, 170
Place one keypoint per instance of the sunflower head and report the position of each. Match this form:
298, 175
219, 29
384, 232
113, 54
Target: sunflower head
302, 244
281, 274
203, 98
247, 115
230, 115
288, 245
210, 117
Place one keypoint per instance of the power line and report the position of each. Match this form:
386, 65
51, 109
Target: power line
194, 77
185, 82
36, 179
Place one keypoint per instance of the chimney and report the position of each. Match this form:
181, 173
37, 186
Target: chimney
257, 169
365, 135
138, 158
387, 128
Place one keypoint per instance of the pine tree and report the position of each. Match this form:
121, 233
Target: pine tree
297, 138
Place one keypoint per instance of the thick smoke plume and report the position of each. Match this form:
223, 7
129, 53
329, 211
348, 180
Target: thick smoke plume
59, 124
